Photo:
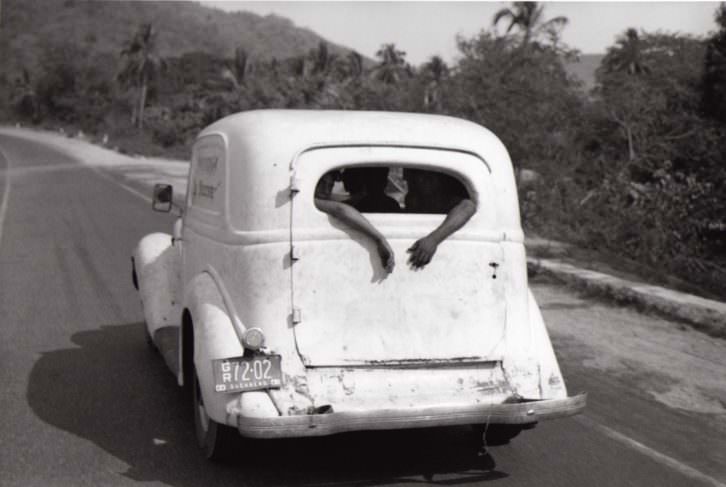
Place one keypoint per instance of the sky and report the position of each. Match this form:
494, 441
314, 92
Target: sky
423, 29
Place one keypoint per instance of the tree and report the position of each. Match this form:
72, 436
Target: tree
322, 59
435, 72
528, 18
648, 87
661, 161
141, 66
236, 70
355, 64
713, 101
523, 96
392, 64
27, 103
623, 60
627, 55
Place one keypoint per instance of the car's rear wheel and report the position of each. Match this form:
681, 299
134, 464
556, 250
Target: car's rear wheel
216, 440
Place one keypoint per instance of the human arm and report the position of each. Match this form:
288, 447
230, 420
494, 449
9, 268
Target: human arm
423, 250
352, 217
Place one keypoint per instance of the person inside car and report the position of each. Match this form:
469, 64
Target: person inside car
352, 217
432, 192
367, 186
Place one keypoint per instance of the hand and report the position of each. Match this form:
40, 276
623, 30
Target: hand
422, 251
386, 253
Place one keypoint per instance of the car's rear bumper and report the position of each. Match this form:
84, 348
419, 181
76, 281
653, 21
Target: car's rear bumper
389, 419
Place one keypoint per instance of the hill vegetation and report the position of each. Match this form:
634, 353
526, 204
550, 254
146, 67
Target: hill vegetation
29, 27
634, 166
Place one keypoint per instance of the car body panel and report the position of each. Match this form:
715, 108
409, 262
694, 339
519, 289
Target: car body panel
353, 312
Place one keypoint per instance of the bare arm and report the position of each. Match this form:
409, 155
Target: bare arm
353, 218
423, 250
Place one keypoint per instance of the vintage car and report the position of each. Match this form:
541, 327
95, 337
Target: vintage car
282, 320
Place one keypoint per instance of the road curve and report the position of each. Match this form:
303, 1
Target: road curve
85, 402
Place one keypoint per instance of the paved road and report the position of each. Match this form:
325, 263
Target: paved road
84, 402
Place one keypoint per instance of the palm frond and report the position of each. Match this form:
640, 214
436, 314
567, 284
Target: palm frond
560, 21
503, 13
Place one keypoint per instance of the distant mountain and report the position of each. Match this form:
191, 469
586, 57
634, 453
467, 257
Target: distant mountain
27, 26
585, 68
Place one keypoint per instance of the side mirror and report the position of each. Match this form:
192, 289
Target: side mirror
162, 198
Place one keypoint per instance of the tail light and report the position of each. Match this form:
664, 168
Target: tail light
253, 339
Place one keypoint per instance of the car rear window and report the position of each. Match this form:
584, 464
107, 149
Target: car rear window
392, 189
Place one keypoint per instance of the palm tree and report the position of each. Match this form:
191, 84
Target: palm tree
241, 60
236, 71
392, 64
435, 71
355, 64
528, 18
322, 59
141, 66
627, 56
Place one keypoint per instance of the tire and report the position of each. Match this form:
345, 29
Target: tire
216, 440
497, 434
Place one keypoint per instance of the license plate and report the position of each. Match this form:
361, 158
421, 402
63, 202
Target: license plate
240, 374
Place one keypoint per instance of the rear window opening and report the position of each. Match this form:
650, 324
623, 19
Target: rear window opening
392, 189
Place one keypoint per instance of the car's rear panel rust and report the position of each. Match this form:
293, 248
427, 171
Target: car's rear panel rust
341, 389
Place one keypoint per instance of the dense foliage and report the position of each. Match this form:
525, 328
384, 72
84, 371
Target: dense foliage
634, 166
714, 76
661, 162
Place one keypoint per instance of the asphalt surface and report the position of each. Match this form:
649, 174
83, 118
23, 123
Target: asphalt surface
85, 402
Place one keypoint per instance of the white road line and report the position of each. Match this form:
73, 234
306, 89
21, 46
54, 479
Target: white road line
649, 452
6, 195
21, 171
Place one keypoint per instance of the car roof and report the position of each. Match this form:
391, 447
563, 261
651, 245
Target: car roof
263, 147
293, 131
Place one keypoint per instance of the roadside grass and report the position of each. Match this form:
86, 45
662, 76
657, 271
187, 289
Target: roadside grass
125, 140
608, 262
135, 142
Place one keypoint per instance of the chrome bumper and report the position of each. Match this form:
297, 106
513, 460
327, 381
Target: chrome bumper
389, 419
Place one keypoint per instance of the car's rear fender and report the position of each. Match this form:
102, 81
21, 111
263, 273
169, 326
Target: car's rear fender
552, 385
216, 333
531, 368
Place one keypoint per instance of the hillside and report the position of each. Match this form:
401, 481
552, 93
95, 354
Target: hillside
103, 27
27, 28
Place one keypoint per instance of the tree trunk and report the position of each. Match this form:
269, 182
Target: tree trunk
628, 133
527, 37
631, 149
142, 103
